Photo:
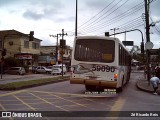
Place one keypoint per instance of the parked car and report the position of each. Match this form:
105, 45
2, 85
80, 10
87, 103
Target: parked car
42, 69
57, 69
16, 70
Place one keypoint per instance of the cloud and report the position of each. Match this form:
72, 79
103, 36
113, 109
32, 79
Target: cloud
96, 3
6, 2
43, 10
65, 19
33, 15
37, 14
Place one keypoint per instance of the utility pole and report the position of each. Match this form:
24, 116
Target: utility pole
114, 29
56, 47
147, 2
63, 45
76, 22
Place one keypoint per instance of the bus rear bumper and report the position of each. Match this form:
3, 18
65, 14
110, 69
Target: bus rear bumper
102, 83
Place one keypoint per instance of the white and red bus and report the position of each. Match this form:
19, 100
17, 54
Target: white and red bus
100, 61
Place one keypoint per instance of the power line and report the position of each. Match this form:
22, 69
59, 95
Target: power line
131, 21
99, 26
97, 14
157, 29
115, 19
98, 19
132, 24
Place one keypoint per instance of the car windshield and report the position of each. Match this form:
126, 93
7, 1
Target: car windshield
56, 66
49, 67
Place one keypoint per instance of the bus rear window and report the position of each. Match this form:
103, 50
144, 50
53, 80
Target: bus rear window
95, 50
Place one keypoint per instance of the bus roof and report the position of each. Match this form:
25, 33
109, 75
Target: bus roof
99, 37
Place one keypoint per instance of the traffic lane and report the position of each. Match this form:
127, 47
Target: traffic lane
137, 100
61, 87
58, 96
131, 96
52, 101
131, 99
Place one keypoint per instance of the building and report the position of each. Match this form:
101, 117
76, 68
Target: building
154, 56
48, 55
17, 45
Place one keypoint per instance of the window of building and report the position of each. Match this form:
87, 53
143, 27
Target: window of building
35, 45
26, 44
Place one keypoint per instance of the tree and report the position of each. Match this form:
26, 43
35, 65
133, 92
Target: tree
11, 62
158, 57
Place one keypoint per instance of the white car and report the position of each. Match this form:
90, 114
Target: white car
57, 69
16, 70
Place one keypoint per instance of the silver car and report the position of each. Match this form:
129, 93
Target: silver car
16, 71
42, 69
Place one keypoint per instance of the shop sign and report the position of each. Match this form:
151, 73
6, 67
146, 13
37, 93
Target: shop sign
23, 56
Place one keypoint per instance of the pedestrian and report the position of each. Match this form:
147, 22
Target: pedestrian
155, 81
157, 71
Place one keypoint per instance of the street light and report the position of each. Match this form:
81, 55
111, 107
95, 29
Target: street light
142, 43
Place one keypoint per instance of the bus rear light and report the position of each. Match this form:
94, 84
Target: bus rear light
116, 76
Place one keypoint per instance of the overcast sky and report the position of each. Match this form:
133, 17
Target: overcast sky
46, 17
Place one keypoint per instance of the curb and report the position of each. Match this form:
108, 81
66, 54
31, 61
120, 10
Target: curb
142, 88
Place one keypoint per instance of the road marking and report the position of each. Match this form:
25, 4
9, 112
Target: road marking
118, 104
52, 93
12, 93
117, 107
5, 110
48, 102
68, 100
24, 103
77, 95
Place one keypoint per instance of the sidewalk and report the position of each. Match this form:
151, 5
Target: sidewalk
144, 85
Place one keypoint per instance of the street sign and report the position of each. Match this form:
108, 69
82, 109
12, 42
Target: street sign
149, 45
128, 43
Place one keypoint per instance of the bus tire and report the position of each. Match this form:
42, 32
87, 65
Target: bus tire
120, 89
90, 87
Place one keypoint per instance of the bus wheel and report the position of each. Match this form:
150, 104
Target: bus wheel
90, 87
120, 89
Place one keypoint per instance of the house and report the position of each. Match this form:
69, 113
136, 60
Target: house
17, 45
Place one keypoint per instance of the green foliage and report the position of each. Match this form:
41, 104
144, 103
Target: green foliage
30, 83
158, 57
138, 57
11, 62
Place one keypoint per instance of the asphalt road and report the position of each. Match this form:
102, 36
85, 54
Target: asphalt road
67, 97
